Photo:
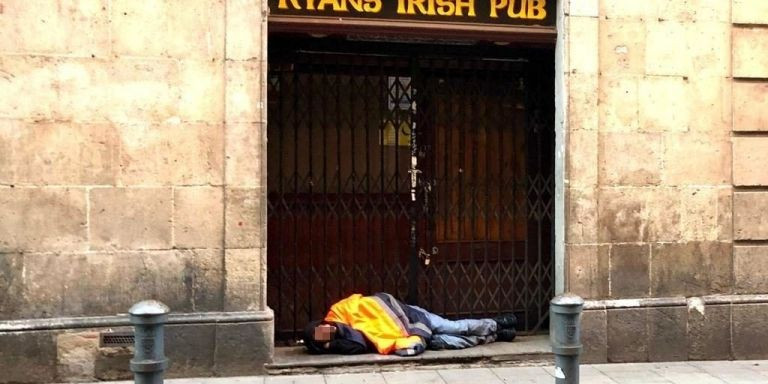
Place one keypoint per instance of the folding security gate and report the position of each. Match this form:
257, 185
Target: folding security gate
424, 171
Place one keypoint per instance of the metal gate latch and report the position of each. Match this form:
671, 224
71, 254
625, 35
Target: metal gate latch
425, 255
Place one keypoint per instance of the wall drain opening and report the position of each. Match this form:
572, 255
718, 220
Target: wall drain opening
116, 339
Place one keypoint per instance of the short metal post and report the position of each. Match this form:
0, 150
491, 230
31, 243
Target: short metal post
565, 336
149, 362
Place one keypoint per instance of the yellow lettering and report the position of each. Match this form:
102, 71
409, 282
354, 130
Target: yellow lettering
469, 4
401, 7
323, 3
536, 9
445, 7
431, 8
283, 4
520, 13
418, 4
357, 5
373, 6
311, 5
496, 5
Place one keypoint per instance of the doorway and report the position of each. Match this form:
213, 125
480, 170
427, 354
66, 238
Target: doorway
422, 170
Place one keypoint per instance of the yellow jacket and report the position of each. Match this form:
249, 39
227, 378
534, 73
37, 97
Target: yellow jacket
383, 321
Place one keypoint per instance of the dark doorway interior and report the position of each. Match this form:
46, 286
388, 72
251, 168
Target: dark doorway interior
420, 170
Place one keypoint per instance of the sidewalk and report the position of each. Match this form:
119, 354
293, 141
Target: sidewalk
697, 372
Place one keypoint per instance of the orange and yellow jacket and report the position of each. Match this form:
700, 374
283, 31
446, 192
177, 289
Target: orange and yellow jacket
391, 326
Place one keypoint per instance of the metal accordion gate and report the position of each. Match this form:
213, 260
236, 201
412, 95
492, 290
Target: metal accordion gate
424, 171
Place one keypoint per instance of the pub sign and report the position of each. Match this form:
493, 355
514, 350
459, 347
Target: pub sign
484, 12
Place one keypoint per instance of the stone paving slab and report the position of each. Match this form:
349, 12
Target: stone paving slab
709, 372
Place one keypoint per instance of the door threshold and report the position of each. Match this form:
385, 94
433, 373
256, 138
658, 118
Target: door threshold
525, 350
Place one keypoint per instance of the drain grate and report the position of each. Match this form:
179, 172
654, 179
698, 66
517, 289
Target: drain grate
116, 339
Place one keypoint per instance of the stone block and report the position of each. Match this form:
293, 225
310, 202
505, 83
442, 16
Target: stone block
76, 353
245, 216
696, 159
72, 27
622, 215
186, 281
85, 90
242, 349
245, 29
750, 52
58, 153
750, 106
246, 155
750, 337
700, 214
586, 8
712, 105
750, 156
709, 47
750, 264
663, 208
198, 217
11, 268
245, 269
594, 337
664, 104
114, 364
201, 84
582, 158
31, 76
130, 218
190, 347
725, 214
644, 151
244, 99
667, 334
43, 219
629, 264
171, 154
665, 40
691, 269
618, 103
750, 12
582, 103
143, 90
581, 227
622, 47
709, 332
192, 29
582, 45
635, 10
588, 270
750, 216
694, 11
627, 335
28, 357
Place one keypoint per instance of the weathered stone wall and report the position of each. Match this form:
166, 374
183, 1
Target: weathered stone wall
665, 174
131, 161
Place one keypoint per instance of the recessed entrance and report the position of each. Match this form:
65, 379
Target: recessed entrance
422, 170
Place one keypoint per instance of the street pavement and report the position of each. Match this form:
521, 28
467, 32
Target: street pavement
710, 372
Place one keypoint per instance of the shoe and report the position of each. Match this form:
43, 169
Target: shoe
506, 334
507, 321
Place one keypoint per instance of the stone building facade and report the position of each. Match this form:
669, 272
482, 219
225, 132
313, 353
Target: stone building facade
133, 165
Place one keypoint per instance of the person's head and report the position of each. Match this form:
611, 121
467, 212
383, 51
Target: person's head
317, 334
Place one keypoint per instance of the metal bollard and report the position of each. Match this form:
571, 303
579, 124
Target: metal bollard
149, 362
565, 336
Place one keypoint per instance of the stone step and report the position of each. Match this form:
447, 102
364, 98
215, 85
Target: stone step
525, 350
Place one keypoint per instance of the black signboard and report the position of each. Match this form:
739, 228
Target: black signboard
476, 12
